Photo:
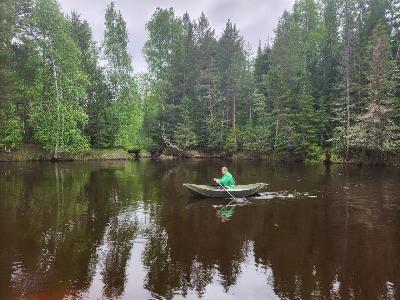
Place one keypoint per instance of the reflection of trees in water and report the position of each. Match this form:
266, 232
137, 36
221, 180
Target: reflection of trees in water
119, 241
44, 219
169, 273
330, 248
316, 248
185, 252
52, 219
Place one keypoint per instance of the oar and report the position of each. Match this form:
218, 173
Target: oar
233, 198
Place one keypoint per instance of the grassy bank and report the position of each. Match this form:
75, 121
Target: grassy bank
35, 153
388, 161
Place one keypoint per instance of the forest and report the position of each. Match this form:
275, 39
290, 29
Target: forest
327, 82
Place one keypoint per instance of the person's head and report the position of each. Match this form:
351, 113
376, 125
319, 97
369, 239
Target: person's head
224, 170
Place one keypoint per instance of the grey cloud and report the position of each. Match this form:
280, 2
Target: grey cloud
256, 19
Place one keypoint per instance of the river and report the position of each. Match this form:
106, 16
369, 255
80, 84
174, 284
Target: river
130, 230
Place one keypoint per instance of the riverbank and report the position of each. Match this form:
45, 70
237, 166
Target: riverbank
35, 153
388, 159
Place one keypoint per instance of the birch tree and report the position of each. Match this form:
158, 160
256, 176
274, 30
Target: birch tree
126, 111
59, 84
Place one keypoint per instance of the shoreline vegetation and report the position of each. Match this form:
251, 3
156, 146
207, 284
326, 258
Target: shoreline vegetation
326, 87
36, 153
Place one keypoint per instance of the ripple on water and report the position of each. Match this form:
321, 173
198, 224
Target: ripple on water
284, 195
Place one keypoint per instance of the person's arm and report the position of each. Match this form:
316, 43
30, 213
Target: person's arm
223, 180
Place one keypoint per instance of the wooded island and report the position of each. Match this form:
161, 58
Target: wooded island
328, 82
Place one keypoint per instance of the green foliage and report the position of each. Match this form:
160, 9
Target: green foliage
257, 138
165, 35
124, 112
330, 77
6, 34
375, 129
339, 141
96, 103
11, 128
184, 134
59, 84
313, 153
231, 142
130, 118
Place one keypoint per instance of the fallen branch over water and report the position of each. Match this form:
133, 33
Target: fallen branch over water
176, 151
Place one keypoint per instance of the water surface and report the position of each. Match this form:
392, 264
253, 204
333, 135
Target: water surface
129, 230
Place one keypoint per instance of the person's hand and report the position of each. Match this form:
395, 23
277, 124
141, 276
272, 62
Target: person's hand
215, 180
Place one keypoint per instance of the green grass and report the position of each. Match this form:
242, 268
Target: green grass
97, 154
35, 153
25, 153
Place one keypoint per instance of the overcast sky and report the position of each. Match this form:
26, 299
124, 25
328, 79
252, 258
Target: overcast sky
256, 19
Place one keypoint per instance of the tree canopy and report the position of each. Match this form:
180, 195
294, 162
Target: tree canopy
328, 80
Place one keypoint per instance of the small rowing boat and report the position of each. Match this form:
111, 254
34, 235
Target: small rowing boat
215, 191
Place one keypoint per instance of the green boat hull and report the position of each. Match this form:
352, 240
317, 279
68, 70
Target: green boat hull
212, 191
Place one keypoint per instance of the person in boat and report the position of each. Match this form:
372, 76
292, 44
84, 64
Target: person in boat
227, 180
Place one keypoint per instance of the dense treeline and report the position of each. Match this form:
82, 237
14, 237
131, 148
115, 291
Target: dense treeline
328, 81
59, 88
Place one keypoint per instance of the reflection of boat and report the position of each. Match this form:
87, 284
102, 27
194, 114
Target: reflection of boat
214, 191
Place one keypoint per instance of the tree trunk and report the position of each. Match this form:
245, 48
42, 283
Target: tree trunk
56, 148
234, 119
176, 151
276, 131
347, 103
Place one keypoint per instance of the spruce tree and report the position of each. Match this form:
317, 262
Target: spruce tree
326, 88
345, 104
206, 87
375, 131
231, 58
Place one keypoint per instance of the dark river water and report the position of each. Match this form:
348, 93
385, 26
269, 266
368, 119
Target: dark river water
130, 230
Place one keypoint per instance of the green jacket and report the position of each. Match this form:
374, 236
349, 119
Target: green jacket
227, 181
